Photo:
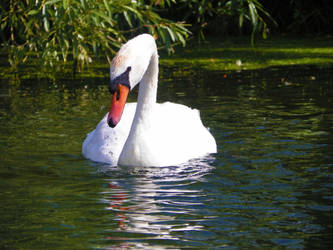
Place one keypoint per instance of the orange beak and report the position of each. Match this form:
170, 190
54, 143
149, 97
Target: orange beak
117, 105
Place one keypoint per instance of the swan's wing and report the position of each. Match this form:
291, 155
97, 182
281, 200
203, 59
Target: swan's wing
188, 128
180, 135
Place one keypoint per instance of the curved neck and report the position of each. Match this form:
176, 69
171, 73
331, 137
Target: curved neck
147, 92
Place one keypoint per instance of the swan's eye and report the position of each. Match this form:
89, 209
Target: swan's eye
122, 79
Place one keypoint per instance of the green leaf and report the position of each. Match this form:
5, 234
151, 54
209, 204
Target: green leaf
65, 4
44, 10
240, 20
135, 12
107, 6
128, 19
181, 39
105, 17
171, 34
51, 2
83, 4
253, 14
33, 12
264, 35
46, 24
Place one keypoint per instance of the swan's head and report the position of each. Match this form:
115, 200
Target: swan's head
126, 71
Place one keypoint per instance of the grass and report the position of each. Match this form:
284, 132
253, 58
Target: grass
213, 54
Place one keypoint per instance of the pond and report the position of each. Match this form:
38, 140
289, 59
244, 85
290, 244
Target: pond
269, 186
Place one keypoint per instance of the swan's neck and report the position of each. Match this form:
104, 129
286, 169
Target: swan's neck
137, 146
147, 92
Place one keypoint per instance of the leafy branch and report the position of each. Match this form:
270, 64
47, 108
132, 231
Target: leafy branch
57, 31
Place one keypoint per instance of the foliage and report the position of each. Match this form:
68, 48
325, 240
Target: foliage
224, 15
56, 31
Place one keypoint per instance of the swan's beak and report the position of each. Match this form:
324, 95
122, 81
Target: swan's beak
117, 105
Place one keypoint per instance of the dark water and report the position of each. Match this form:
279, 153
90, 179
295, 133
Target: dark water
269, 186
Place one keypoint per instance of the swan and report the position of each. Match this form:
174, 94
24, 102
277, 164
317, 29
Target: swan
145, 133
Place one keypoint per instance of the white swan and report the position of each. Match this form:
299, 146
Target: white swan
145, 133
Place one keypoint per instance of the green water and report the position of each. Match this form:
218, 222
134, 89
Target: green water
269, 186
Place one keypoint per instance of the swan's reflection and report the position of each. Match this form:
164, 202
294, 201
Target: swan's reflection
156, 203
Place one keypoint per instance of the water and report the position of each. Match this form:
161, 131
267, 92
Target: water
269, 186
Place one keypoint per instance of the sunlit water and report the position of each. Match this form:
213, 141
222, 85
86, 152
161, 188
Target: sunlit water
270, 184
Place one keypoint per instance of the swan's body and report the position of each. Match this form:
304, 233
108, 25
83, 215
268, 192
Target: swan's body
148, 133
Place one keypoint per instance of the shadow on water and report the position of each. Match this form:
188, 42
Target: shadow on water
269, 186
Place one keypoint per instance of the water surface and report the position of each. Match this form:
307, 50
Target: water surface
270, 184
